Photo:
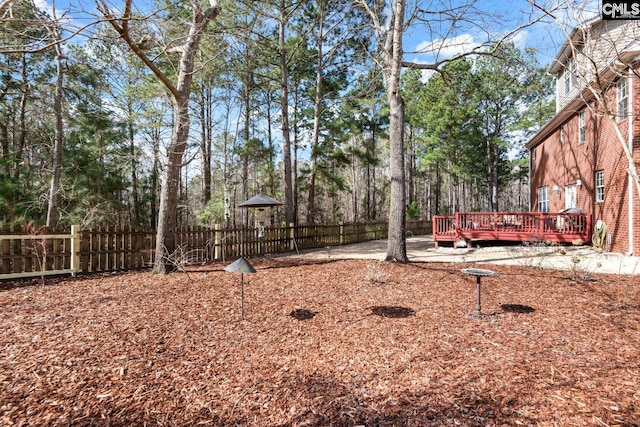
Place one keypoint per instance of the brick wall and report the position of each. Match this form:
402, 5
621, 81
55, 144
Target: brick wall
561, 159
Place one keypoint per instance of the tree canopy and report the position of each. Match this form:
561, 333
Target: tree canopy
224, 101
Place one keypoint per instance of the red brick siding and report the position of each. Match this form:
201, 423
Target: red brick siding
560, 163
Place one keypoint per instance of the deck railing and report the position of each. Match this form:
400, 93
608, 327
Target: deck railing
513, 226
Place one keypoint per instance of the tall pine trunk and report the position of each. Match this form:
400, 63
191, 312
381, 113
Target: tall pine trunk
54, 188
396, 242
317, 109
205, 142
284, 103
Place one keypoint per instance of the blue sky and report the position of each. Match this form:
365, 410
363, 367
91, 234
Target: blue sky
545, 37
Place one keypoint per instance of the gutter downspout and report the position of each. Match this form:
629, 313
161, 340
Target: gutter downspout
630, 141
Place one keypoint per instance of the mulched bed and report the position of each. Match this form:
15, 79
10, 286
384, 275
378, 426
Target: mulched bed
323, 342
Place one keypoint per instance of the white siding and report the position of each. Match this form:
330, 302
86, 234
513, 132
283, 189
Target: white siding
602, 47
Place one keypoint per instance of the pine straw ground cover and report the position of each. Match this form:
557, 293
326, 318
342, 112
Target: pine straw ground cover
324, 342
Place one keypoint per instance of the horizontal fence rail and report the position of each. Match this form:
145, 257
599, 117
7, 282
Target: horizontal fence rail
30, 252
513, 226
50, 252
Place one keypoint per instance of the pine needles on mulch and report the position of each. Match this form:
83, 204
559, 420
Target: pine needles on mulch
322, 344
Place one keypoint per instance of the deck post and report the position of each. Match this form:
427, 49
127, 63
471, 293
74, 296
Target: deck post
434, 227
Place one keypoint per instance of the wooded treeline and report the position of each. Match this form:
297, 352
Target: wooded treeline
286, 99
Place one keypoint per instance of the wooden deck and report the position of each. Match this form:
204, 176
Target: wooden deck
513, 226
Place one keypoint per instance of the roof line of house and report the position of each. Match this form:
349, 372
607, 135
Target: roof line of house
608, 75
560, 60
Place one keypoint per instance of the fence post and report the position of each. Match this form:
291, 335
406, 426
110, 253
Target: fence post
75, 249
341, 232
217, 241
292, 237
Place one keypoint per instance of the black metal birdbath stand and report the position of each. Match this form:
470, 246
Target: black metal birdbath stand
478, 272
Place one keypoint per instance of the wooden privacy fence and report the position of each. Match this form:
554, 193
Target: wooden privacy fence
49, 252
28, 253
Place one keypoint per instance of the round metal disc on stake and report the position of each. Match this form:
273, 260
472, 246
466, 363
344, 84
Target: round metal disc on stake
260, 201
241, 266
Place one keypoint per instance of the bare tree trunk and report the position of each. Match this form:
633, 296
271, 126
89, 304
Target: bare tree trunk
54, 189
137, 215
296, 145
392, 67
246, 94
180, 92
355, 190
374, 165
495, 178
438, 189
272, 180
411, 167
428, 192
317, 107
205, 142
26, 89
4, 145
396, 243
284, 103
155, 173
167, 212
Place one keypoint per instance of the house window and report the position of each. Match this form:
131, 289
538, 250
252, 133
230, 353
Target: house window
543, 199
622, 98
533, 159
569, 76
582, 129
570, 197
599, 186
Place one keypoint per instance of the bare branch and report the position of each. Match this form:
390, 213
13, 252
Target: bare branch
121, 25
6, 4
487, 49
6, 50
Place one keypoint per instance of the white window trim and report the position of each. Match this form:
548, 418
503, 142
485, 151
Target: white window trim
570, 196
543, 199
568, 80
533, 159
599, 186
569, 76
622, 100
582, 128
